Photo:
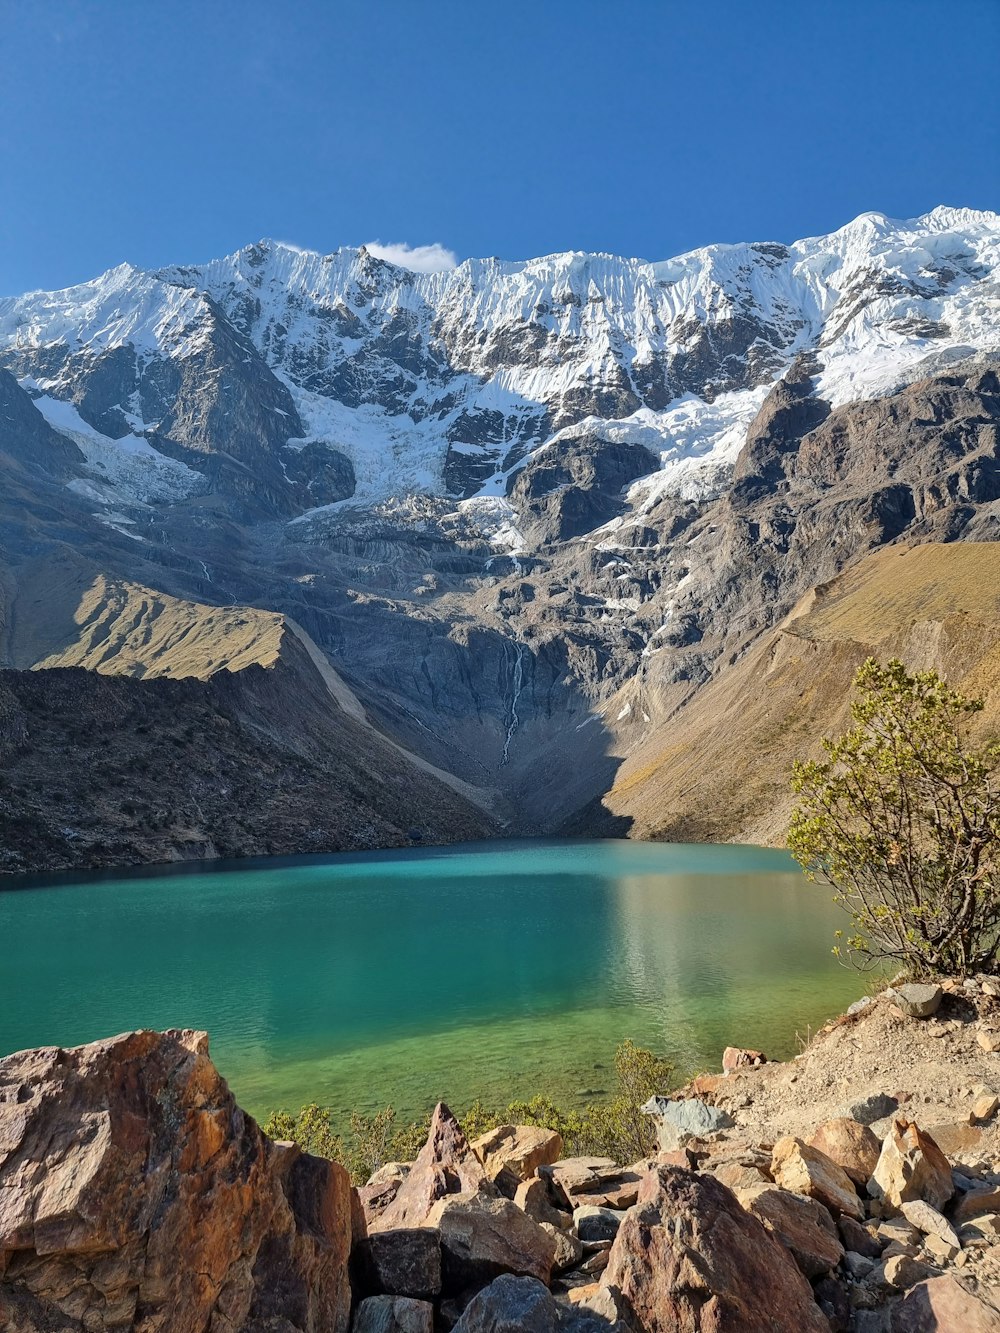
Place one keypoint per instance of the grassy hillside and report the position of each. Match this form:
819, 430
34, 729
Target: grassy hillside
718, 769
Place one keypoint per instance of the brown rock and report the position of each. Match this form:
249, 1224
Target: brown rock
956, 1137
797, 1167
597, 1180
735, 1057
513, 1153
800, 1223
380, 1190
532, 1197
985, 1107
446, 1164
975, 1203
689, 1259
942, 1305
569, 1249
737, 1176
482, 1237
911, 1166
989, 1041
133, 1188
858, 1238
851, 1145
929, 1221
405, 1262
393, 1314
902, 1271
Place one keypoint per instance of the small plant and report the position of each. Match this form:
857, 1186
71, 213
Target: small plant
608, 1129
902, 819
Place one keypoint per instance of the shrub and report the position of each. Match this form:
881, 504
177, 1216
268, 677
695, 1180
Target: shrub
613, 1129
903, 820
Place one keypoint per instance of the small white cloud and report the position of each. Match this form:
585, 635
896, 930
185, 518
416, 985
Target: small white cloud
419, 258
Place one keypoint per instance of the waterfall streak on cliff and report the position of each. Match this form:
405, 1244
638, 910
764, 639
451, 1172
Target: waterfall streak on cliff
517, 683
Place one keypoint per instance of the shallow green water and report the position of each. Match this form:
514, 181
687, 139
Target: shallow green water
494, 971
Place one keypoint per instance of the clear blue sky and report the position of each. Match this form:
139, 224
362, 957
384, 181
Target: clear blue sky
165, 131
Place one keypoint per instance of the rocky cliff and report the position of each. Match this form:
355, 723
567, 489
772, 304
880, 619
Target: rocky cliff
526, 512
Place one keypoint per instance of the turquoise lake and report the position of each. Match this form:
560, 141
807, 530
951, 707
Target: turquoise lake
497, 970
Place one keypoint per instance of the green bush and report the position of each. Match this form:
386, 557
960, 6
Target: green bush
902, 819
614, 1129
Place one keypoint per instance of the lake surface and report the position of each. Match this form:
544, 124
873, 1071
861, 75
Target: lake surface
495, 970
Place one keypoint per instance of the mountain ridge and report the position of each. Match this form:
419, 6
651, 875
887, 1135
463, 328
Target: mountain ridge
526, 513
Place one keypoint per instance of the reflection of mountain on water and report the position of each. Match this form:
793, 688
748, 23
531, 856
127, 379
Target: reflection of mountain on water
722, 957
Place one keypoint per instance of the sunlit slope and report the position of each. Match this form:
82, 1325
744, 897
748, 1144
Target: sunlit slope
124, 629
719, 769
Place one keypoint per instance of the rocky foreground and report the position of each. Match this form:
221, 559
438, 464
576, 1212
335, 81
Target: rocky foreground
135, 1194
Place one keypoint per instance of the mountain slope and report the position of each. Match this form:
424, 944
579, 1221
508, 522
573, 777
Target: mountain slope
719, 770
523, 514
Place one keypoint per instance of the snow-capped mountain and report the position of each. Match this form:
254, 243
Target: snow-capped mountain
526, 511
342, 379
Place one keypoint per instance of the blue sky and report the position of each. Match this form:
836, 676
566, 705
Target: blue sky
166, 131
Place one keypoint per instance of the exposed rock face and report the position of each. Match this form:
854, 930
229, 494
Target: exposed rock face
805, 1170
135, 1193
511, 1154
482, 1237
853, 1147
404, 1262
688, 1259
446, 1164
517, 1304
911, 1166
802, 1225
594, 1180
942, 1305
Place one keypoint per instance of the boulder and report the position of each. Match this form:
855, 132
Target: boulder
596, 1180
678, 1121
797, 1167
737, 1175
858, 1238
942, 1305
532, 1197
852, 1145
376, 1195
911, 1166
984, 1107
404, 1262
569, 1249
929, 1222
513, 1153
976, 1203
688, 1259
520, 1304
916, 1001
869, 1109
801, 1224
736, 1057
393, 1314
903, 1271
133, 1190
446, 1164
482, 1237
592, 1223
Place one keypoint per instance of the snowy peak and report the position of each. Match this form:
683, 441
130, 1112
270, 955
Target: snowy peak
448, 382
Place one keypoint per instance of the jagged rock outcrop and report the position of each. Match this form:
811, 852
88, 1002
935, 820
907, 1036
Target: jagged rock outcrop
689, 1259
134, 1193
446, 1165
